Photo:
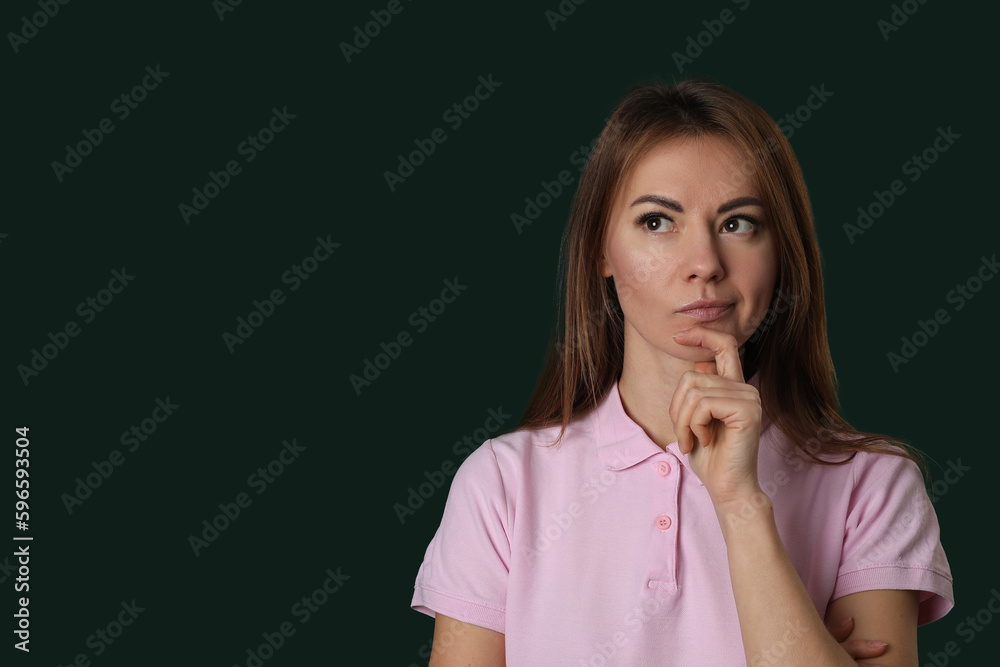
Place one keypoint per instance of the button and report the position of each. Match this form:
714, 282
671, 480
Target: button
663, 468
663, 522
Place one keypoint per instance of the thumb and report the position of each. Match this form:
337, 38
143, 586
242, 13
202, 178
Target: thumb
708, 367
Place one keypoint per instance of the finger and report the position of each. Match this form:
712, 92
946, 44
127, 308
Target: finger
682, 405
685, 438
841, 630
679, 415
862, 648
696, 396
721, 344
702, 419
706, 367
681, 393
724, 409
690, 380
705, 435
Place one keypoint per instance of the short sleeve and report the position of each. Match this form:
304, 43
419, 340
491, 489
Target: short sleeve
892, 539
465, 568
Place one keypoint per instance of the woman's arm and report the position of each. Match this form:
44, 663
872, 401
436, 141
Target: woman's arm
717, 419
888, 614
778, 621
458, 644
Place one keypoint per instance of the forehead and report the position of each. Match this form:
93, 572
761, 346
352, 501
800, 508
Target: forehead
704, 169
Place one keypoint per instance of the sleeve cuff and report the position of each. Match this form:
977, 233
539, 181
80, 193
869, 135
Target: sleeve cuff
936, 599
432, 602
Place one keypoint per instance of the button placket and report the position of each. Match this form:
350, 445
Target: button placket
665, 526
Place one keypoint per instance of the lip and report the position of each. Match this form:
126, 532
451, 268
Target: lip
705, 310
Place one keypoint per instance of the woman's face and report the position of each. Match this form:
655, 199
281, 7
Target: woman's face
688, 226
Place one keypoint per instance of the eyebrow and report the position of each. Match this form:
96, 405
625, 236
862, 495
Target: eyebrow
673, 204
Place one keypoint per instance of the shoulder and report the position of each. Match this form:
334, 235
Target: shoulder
889, 492
872, 465
513, 459
526, 445
851, 476
862, 464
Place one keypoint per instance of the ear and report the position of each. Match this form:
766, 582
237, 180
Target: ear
605, 265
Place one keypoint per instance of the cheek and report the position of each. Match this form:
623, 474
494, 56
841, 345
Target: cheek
759, 291
640, 275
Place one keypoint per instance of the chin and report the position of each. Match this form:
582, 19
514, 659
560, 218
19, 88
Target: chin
691, 353
715, 325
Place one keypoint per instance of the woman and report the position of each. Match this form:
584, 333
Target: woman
682, 489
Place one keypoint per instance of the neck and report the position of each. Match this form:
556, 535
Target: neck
647, 385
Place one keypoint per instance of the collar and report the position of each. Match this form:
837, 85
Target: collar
623, 443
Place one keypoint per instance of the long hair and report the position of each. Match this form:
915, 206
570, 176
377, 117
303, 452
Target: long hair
789, 349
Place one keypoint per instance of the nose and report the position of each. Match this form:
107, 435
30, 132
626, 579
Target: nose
700, 255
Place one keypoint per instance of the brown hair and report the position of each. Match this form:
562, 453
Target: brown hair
789, 349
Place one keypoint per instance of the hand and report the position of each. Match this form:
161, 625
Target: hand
856, 648
716, 417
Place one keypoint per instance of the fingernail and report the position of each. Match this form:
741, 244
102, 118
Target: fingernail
844, 623
877, 644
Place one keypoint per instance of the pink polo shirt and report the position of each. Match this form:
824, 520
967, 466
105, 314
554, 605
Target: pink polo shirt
607, 550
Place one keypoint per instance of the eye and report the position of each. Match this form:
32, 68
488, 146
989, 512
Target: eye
741, 224
654, 222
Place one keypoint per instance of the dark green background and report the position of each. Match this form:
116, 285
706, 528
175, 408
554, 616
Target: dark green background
323, 175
